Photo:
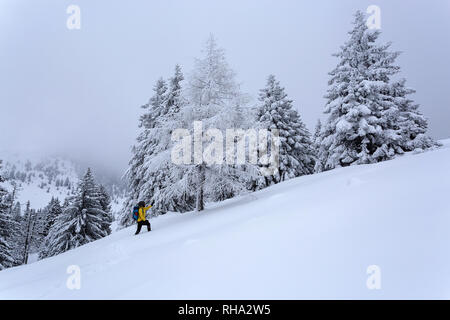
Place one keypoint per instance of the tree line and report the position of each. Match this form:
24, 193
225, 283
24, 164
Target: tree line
370, 117
80, 219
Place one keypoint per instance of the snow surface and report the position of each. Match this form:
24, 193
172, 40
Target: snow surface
311, 237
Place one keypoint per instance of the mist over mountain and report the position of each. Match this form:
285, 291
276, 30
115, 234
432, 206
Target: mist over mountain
37, 179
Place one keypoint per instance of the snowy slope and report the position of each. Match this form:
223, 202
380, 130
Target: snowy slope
311, 237
40, 179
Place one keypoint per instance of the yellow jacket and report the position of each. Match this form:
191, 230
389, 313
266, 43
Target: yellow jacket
142, 213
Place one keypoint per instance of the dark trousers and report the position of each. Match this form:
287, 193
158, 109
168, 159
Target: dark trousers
143, 223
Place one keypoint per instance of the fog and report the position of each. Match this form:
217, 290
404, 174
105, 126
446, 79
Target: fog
78, 92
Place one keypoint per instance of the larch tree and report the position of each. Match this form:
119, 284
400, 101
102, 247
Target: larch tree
216, 100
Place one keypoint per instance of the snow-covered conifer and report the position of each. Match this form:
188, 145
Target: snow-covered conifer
151, 169
170, 186
369, 117
143, 149
28, 227
53, 210
105, 204
316, 136
81, 222
411, 123
296, 153
6, 247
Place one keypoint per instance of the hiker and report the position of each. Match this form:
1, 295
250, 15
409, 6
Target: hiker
141, 221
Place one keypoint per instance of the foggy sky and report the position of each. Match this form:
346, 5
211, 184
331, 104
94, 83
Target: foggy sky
79, 92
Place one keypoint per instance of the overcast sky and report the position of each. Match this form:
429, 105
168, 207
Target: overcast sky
78, 92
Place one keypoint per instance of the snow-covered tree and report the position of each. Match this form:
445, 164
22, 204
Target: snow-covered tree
28, 227
151, 169
65, 204
215, 99
174, 99
171, 190
412, 125
105, 204
142, 148
212, 96
17, 234
367, 111
38, 229
161, 173
105, 199
135, 175
317, 141
6, 247
81, 222
53, 210
16, 222
296, 153
17, 210
156, 105
317, 130
12, 196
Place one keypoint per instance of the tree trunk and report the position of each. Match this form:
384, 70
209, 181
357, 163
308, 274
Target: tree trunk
13, 199
29, 237
200, 187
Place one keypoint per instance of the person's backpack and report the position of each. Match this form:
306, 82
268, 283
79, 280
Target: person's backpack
135, 212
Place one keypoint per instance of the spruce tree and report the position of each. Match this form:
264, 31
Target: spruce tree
367, 111
39, 229
65, 204
17, 235
6, 227
53, 210
296, 153
411, 123
105, 204
316, 136
316, 143
142, 150
167, 193
151, 173
16, 210
81, 222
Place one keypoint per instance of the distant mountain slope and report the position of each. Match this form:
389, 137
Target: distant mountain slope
40, 179
310, 237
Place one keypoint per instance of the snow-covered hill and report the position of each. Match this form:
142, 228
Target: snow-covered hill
311, 237
40, 178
